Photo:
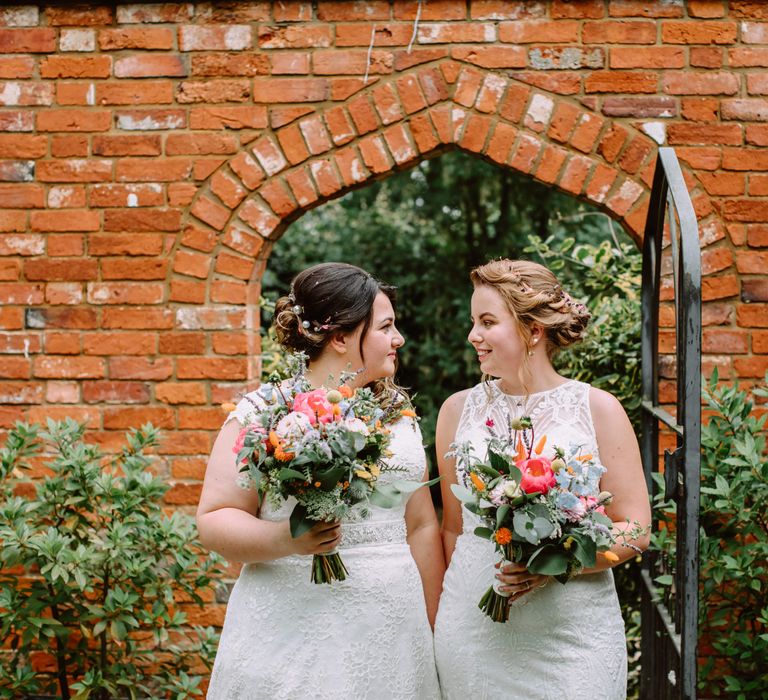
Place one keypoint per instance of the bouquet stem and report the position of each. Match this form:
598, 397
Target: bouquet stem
328, 567
495, 605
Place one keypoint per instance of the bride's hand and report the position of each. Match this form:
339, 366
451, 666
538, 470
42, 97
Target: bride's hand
517, 580
320, 539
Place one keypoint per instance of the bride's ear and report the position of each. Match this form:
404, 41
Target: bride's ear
537, 333
340, 343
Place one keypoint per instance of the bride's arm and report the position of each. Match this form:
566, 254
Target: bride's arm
226, 514
620, 454
424, 541
445, 434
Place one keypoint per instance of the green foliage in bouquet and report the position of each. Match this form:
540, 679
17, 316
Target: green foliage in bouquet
733, 607
91, 568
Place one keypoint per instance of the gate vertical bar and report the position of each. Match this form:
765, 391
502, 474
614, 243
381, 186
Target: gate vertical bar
670, 620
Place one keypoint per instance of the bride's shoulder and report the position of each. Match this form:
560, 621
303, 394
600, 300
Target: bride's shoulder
454, 405
252, 403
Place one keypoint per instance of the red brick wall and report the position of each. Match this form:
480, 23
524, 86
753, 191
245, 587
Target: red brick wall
150, 155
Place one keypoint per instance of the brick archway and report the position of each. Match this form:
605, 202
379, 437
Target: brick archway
250, 200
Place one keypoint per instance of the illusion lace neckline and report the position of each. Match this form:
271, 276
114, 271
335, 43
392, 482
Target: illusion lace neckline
499, 390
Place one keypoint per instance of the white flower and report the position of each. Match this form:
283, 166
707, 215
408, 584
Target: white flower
293, 426
355, 425
511, 489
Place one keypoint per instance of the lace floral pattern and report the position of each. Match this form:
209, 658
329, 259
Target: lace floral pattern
561, 641
367, 637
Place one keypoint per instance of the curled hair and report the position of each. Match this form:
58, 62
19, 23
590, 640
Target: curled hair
533, 295
326, 299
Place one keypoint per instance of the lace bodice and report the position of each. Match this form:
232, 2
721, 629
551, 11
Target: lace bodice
562, 414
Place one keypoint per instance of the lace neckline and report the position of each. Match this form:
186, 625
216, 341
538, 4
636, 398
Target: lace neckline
502, 393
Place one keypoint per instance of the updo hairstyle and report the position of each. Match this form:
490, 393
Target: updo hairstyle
533, 296
326, 299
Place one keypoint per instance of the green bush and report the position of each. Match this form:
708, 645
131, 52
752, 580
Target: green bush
91, 567
733, 606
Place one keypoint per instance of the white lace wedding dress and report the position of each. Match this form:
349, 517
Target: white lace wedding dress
561, 642
366, 637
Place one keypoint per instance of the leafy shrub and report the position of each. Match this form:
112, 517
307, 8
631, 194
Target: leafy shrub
733, 606
607, 278
92, 569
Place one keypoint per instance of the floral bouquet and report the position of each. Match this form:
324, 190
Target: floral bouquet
324, 447
545, 512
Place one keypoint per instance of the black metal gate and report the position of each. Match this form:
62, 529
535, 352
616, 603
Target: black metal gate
670, 613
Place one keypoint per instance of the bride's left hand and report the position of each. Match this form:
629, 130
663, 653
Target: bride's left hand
517, 580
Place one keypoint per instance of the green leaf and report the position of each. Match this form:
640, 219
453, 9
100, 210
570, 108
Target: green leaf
485, 532
385, 497
584, 550
287, 473
548, 560
329, 478
299, 522
462, 493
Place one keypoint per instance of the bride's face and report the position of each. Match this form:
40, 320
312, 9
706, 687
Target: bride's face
380, 344
495, 335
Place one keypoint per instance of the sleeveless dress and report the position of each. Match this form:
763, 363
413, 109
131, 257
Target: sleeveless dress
561, 642
285, 637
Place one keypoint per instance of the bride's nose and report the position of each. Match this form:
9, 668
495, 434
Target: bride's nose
473, 336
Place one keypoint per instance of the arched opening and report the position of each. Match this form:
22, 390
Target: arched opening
423, 229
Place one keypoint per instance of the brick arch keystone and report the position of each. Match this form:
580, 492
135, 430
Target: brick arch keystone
249, 201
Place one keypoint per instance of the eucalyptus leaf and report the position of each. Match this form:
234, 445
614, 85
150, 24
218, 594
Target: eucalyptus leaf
484, 532
548, 560
462, 493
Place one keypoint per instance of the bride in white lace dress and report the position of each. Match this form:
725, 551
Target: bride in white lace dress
370, 635
561, 642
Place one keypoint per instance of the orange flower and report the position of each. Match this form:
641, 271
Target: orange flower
273, 439
520, 450
540, 444
477, 481
346, 391
503, 536
408, 413
281, 455
317, 484
610, 556
584, 458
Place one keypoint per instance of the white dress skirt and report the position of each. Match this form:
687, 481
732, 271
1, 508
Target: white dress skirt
367, 637
561, 642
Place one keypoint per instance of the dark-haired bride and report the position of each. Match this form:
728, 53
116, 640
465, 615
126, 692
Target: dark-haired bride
368, 636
